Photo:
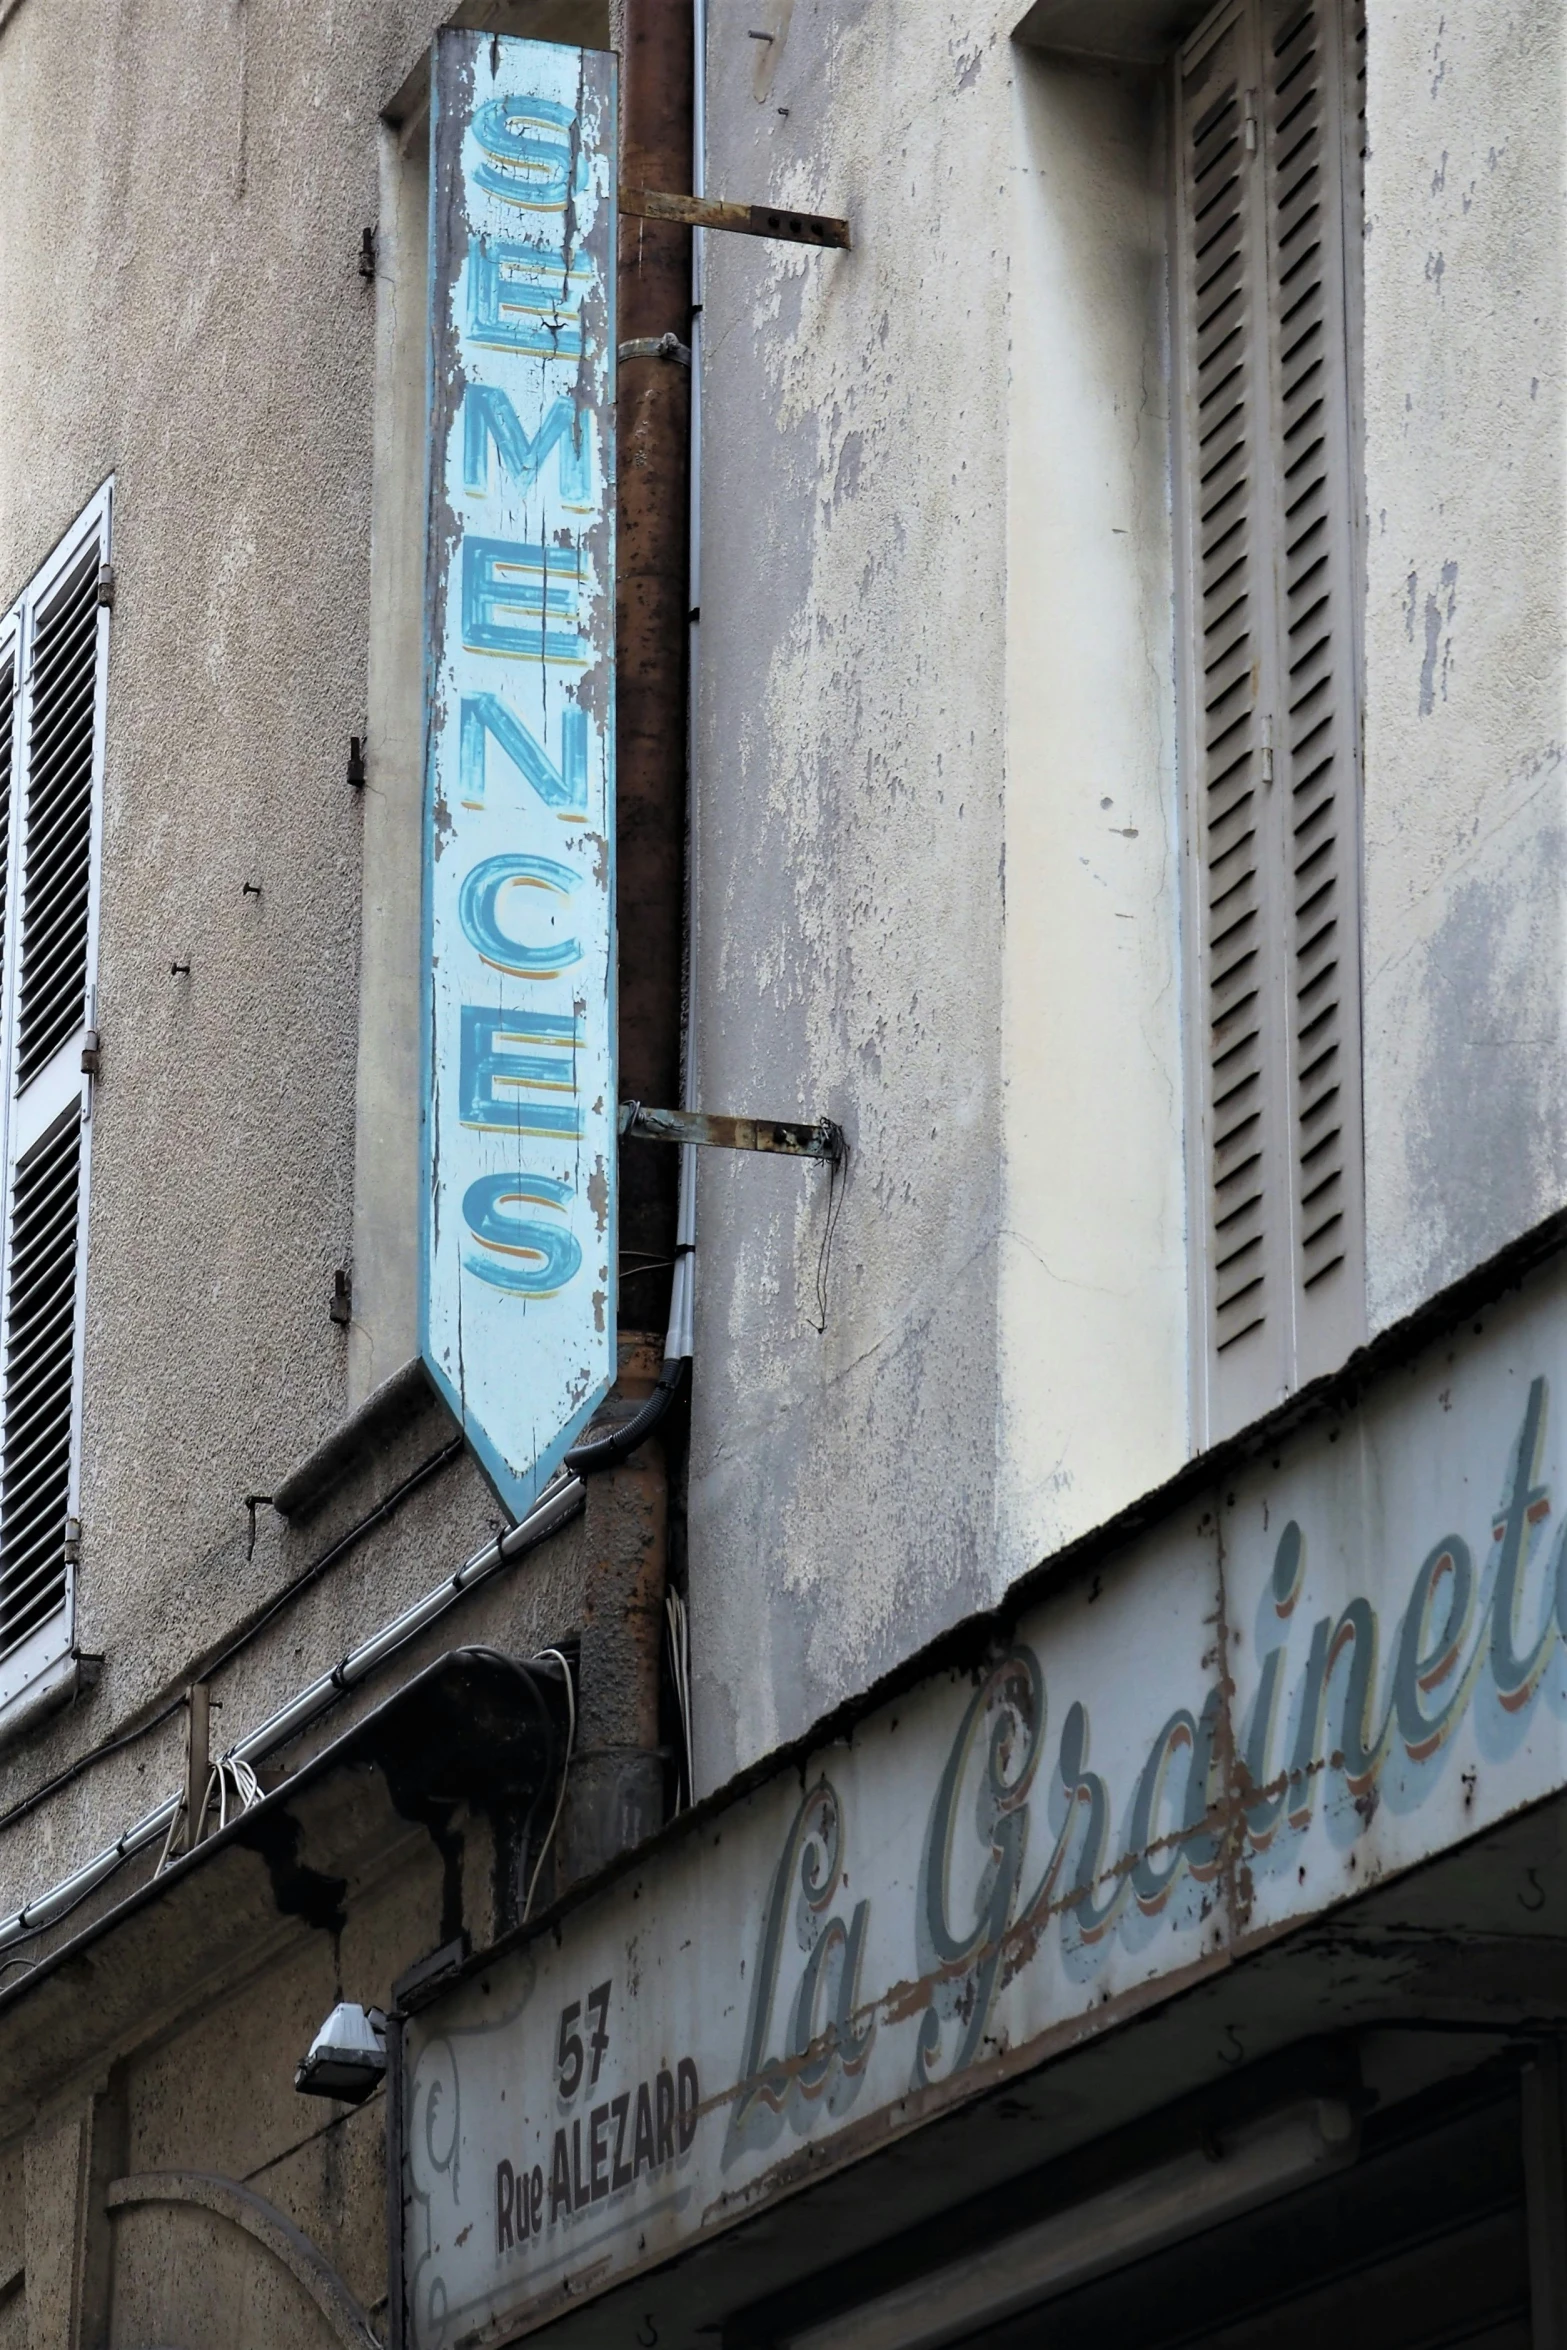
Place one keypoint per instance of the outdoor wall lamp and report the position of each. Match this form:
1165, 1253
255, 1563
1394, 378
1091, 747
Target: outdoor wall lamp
347, 2057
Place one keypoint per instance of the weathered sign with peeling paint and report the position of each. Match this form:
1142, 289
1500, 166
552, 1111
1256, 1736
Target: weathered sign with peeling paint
1352, 1659
518, 1291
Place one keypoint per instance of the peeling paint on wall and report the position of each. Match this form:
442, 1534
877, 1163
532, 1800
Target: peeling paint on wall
1464, 949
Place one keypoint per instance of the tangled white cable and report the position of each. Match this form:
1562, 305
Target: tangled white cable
230, 1770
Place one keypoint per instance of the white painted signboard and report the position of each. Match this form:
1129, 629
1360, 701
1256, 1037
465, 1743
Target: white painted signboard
1354, 1658
518, 1292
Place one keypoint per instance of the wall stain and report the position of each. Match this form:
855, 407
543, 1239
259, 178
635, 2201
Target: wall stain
1436, 617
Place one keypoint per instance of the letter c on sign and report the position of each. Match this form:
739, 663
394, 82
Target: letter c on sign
520, 1253
477, 905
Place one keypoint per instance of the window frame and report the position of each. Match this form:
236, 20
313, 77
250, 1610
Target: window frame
46, 1658
1294, 1351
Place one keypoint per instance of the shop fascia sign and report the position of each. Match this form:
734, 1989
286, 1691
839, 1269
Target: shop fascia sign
1355, 1658
519, 1100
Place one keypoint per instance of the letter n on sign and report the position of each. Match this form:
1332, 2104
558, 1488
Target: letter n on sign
518, 1281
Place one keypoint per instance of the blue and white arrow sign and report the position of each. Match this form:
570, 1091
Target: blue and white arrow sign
518, 1289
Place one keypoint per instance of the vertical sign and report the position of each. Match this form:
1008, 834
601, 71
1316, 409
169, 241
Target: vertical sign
518, 1291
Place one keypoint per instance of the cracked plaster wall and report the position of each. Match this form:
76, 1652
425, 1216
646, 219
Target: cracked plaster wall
1466, 639
938, 842
937, 892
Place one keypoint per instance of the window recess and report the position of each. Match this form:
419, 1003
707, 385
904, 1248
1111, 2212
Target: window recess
53, 647
1269, 108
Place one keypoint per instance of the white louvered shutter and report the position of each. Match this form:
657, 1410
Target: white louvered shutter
1268, 214
49, 917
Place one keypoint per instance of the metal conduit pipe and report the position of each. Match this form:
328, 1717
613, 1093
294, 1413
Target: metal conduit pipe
561, 1501
617, 1793
597, 1453
653, 402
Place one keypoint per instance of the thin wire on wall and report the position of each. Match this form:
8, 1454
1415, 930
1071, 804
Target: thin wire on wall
565, 1773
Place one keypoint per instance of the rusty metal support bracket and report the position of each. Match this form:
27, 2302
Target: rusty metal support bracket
746, 220
791, 1140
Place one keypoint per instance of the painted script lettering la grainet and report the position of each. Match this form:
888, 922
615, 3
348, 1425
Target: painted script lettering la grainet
1331, 1712
1225, 1731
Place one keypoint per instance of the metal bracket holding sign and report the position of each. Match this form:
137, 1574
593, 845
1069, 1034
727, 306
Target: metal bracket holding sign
788, 1138
518, 1283
746, 220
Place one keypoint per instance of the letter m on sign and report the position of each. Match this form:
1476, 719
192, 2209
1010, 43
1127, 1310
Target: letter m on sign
517, 1273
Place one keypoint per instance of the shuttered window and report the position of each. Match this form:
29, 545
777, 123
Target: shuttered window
53, 647
1269, 117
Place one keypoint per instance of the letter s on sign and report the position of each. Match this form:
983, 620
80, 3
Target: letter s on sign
523, 1255
526, 142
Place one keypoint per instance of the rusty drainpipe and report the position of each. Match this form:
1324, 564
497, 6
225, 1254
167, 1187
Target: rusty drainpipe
616, 1794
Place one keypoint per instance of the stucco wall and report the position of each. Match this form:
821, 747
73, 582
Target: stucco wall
1466, 477
183, 309
936, 782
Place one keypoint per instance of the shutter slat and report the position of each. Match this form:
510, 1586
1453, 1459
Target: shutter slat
8, 714
54, 740
57, 835
1269, 113
1225, 395
48, 782
55, 829
1303, 65
37, 1567
39, 1381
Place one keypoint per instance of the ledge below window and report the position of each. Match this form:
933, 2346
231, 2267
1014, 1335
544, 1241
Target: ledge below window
395, 1407
1144, 32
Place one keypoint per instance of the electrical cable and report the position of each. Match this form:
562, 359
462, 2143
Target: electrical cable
598, 1453
356, 1533
680, 1672
247, 1632
247, 1790
175, 1818
565, 1770
837, 1183
94, 1873
559, 1501
84, 1762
